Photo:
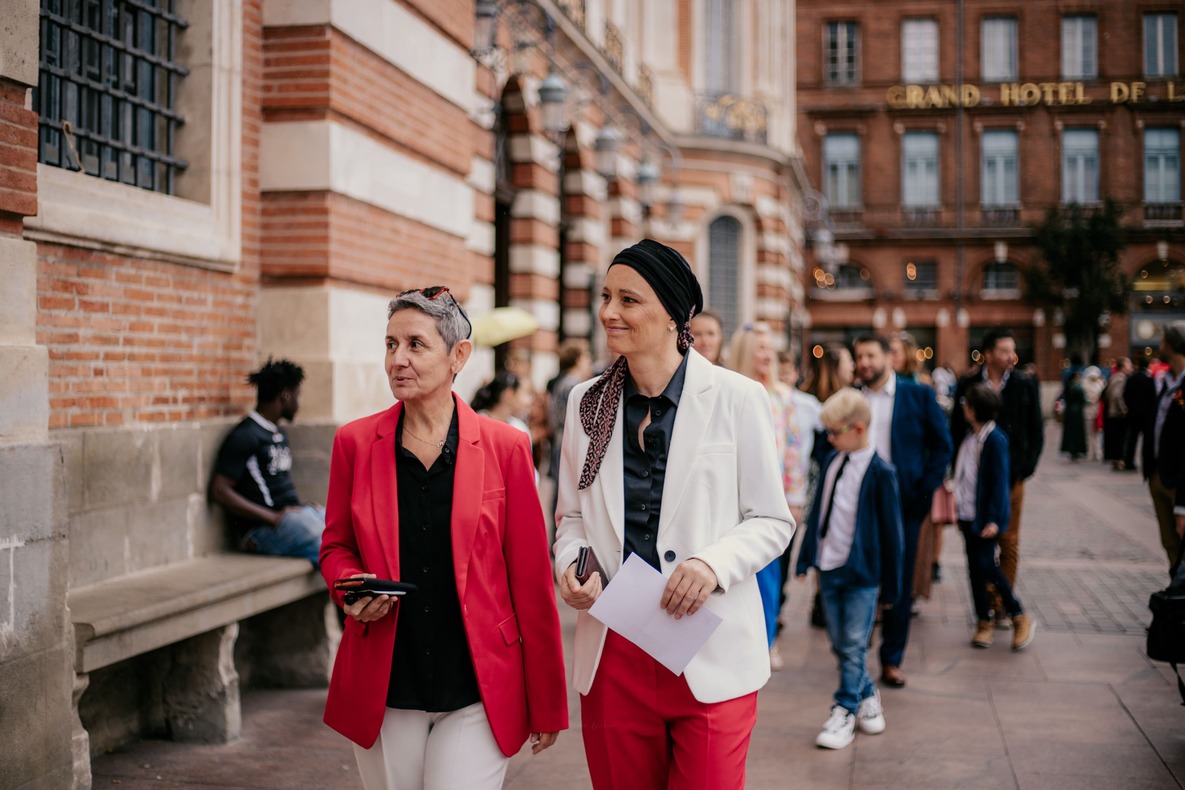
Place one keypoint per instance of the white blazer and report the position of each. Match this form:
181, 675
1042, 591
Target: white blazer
722, 503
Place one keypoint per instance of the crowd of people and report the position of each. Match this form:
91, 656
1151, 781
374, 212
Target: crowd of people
703, 455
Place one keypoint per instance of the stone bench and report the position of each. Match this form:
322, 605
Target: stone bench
195, 606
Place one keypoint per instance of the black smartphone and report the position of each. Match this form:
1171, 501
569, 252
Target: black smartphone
357, 589
587, 564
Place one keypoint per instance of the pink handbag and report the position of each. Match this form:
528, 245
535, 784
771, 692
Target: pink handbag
942, 507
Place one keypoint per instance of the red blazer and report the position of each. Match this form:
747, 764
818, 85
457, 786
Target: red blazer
500, 560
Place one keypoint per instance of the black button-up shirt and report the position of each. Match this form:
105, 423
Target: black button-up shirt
646, 467
431, 668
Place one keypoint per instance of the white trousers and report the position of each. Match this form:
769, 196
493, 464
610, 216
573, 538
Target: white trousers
417, 750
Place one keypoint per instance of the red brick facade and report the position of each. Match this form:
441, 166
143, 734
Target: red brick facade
883, 236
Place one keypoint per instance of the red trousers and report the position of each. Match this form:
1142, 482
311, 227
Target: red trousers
643, 729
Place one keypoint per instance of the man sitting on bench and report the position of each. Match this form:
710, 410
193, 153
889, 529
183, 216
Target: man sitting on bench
251, 477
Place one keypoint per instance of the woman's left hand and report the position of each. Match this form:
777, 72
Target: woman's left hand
542, 740
687, 589
989, 531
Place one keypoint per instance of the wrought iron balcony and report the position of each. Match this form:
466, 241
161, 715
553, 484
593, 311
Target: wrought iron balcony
1162, 212
731, 117
645, 86
917, 217
1000, 217
614, 47
574, 10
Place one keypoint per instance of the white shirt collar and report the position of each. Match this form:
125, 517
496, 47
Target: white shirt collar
270, 426
862, 456
889, 390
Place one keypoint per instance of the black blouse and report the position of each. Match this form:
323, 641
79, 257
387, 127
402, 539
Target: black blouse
431, 669
646, 467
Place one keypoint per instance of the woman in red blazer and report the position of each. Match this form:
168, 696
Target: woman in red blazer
438, 689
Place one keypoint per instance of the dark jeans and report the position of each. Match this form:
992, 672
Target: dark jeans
983, 570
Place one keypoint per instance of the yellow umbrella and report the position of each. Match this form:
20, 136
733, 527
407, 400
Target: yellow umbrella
501, 325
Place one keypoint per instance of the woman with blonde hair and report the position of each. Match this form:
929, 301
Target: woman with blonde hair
751, 353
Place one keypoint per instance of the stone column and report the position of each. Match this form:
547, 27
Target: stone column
36, 667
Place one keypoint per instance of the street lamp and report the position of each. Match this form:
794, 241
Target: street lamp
485, 27
607, 144
647, 178
553, 97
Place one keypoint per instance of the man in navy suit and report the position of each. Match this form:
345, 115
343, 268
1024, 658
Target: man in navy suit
1164, 442
909, 431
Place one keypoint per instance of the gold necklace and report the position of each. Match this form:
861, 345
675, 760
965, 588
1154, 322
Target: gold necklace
438, 445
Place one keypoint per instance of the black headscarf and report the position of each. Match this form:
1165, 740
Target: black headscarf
669, 274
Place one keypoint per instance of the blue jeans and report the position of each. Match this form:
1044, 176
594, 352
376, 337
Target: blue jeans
769, 582
297, 535
850, 611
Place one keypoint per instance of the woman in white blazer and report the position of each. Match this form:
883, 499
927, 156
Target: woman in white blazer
674, 459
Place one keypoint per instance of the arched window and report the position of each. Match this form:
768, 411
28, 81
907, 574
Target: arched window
724, 271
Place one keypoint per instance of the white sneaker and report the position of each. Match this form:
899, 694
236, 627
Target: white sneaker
870, 718
839, 730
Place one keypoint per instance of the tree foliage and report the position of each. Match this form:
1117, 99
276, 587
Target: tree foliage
1078, 271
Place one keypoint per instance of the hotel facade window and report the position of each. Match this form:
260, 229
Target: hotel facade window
107, 91
919, 170
1000, 184
1162, 165
841, 170
919, 50
841, 45
1080, 166
1001, 277
1160, 45
724, 271
921, 277
1080, 54
998, 49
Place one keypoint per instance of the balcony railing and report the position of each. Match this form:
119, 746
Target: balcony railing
1000, 217
574, 10
921, 217
645, 86
732, 117
1162, 212
614, 48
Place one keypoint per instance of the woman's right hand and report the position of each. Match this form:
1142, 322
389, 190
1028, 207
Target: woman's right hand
367, 610
575, 594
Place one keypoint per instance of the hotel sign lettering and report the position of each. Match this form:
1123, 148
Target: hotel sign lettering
1028, 94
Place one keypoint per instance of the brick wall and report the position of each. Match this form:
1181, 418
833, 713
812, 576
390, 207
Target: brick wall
18, 158
135, 340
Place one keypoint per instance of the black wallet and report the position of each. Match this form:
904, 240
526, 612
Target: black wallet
356, 589
587, 564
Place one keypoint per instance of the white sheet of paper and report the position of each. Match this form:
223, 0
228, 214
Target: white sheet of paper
630, 607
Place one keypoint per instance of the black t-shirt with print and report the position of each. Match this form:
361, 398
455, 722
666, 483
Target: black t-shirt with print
258, 460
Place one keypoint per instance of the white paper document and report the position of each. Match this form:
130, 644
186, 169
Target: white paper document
630, 606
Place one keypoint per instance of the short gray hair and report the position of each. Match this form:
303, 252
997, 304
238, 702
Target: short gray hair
451, 322
1174, 336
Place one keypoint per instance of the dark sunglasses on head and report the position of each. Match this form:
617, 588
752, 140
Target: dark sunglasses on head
434, 291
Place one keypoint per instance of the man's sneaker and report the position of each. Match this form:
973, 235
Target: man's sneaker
839, 730
1023, 629
983, 634
870, 718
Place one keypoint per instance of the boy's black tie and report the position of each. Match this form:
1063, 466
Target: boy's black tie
831, 498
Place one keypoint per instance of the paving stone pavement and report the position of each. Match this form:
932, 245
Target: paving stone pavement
1081, 708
